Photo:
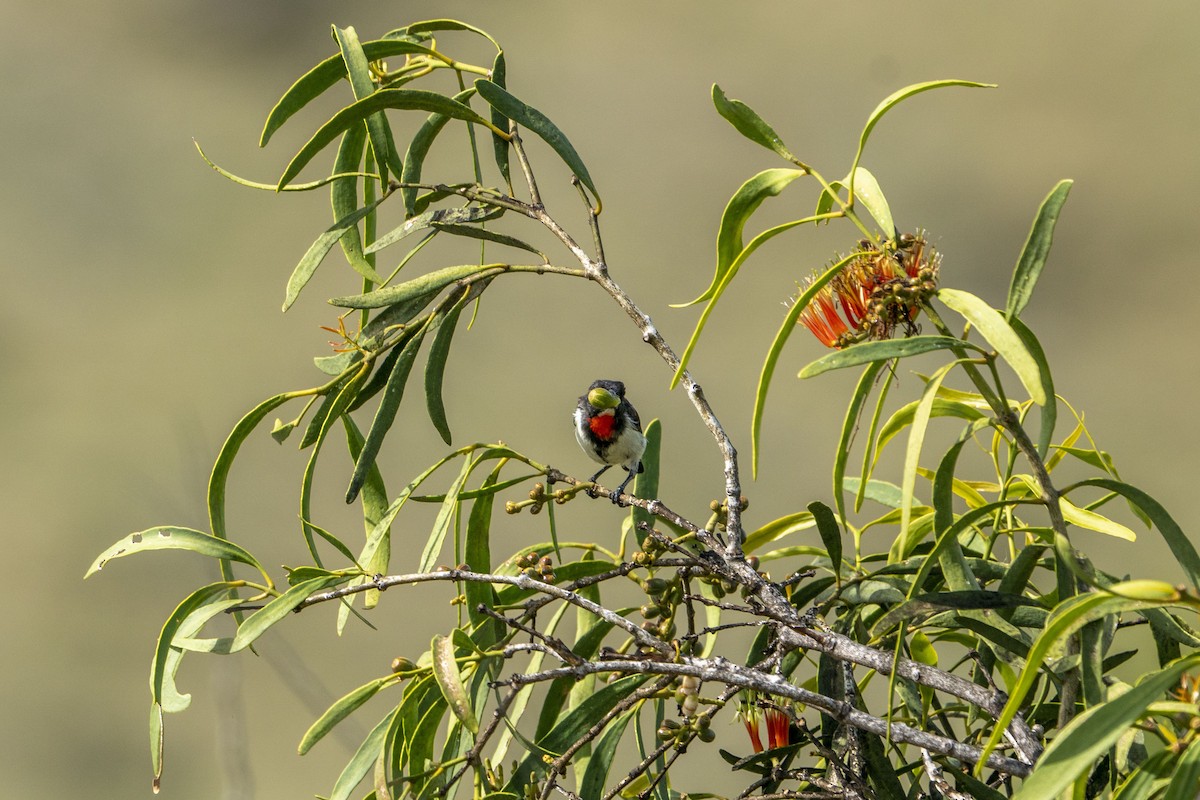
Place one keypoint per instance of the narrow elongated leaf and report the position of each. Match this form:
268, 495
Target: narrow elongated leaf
449, 216
897, 97
1050, 407
279, 608
748, 123
530, 118
385, 415
400, 99
776, 529
999, 334
1093, 521
364, 757
194, 601
326, 75
1185, 781
745, 201
570, 727
768, 368
868, 352
344, 195
1037, 248
905, 540
418, 149
831, 534
359, 73
868, 192
320, 248
486, 235
904, 417
603, 753
435, 367
1077, 747
437, 536
1181, 547
168, 537
477, 553
434, 25
428, 284
341, 709
500, 145
449, 679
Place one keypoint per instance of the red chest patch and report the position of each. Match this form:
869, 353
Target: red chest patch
602, 426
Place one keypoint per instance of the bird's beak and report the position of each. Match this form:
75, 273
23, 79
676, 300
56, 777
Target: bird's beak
603, 398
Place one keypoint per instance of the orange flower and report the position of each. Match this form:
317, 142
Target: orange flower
777, 728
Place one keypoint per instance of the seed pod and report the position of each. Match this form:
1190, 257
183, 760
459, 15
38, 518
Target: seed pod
655, 586
402, 664
707, 735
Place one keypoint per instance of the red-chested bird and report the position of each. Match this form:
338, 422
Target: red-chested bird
609, 431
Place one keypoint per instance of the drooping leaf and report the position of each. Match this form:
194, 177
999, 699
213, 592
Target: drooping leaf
203, 596
868, 192
428, 284
359, 73
418, 149
745, 201
500, 145
344, 195
868, 352
279, 608
831, 534
441, 526
531, 119
364, 757
320, 248
435, 368
748, 123
1049, 416
326, 75
449, 679
603, 753
1037, 248
169, 537
400, 99
797, 521
341, 709
429, 219
1001, 336
385, 415
1093, 521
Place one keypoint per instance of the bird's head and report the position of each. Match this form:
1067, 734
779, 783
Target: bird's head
603, 395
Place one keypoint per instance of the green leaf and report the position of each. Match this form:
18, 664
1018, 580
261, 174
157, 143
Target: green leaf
776, 529
868, 352
364, 757
1093, 521
279, 608
534, 120
418, 149
1037, 248
571, 727
402, 99
1050, 407
449, 679
831, 534
429, 219
1181, 547
320, 248
867, 192
896, 97
849, 426
603, 753
477, 554
428, 284
167, 537
1081, 743
327, 416
344, 195
1000, 335
435, 368
385, 415
433, 545
486, 235
745, 201
904, 417
645, 483
341, 709
748, 123
359, 72
198, 599
324, 76
500, 145
434, 25
1185, 781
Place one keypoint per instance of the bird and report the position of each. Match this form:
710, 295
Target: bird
608, 429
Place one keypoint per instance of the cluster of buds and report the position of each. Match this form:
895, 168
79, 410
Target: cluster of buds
699, 726
537, 567
538, 497
688, 695
720, 512
662, 599
879, 290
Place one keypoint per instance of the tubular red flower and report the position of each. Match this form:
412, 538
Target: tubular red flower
821, 318
752, 729
777, 728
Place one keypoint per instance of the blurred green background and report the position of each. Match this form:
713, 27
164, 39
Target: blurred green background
141, 295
